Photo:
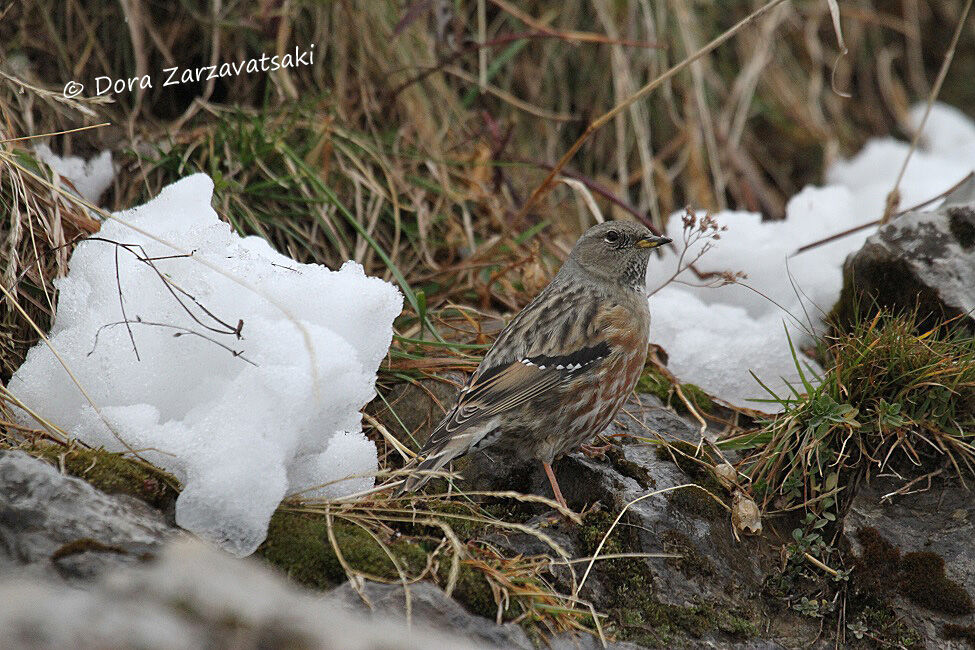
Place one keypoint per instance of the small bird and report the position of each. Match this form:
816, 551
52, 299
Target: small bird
558, 373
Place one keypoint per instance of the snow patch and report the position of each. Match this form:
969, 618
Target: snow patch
91, 178
240, 432
714, 336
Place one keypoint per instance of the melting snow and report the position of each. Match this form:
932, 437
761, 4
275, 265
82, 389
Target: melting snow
91, 178
240, 432
714, 336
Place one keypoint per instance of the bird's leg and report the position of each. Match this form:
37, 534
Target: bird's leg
555, 485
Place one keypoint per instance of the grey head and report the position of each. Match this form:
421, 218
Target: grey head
616, 252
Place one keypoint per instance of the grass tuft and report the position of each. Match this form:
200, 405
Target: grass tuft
892, 398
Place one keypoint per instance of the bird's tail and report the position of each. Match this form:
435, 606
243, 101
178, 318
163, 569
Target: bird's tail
422, 472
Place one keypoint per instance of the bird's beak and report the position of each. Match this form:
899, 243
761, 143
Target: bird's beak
652, 242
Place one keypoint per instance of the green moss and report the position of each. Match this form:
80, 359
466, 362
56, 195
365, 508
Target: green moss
472, 590
695, 502
696, 395
628, 468
691, 500
639, 616
690, 562
298, 544
656, 383
113, 473
682, 453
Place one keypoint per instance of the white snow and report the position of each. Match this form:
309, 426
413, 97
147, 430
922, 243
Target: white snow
91, 178
713, 336
238, 436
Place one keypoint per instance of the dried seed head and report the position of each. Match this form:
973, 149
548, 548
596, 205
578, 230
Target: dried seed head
745, 515
726, 475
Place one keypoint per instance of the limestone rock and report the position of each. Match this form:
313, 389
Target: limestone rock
194, 596
919, 259
929, 533
430, 606
59, 525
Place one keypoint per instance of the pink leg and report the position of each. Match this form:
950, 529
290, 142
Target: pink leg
555, 485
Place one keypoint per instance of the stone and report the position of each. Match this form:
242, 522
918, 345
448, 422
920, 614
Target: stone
923, 260
431, 606
194, 596
699, 583
930, 529
57, 525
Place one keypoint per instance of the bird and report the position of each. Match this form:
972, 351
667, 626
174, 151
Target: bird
559, 372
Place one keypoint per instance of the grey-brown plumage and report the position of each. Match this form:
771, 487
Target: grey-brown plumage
559, 372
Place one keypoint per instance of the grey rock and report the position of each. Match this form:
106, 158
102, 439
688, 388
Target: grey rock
194, 596
686, 522
59, 525
937, 520
428, 604
706, 568
919, 259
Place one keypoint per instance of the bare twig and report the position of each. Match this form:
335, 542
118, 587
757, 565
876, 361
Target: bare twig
181, 331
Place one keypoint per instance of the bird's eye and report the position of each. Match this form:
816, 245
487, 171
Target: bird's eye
612, 237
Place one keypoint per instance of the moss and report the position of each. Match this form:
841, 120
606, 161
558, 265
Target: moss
691, 562
682, 454
875, 571
955, 632
923, 580
113, 473
628, 468
696, 395
691, 500
655, 382
632, 607
84, 545
919, 576
298, 544
472, 590
695, 502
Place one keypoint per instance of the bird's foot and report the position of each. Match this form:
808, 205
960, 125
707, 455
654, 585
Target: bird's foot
596, 451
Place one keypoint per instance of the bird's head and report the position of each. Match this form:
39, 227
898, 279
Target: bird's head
617, 251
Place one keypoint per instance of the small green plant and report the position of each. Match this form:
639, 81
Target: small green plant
892, 397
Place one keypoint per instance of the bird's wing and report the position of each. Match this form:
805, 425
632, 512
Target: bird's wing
505, 386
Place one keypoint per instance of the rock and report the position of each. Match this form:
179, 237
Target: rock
59, 525
429, 604
919, 545
433, 608
923, 260
194, 596
706, 591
